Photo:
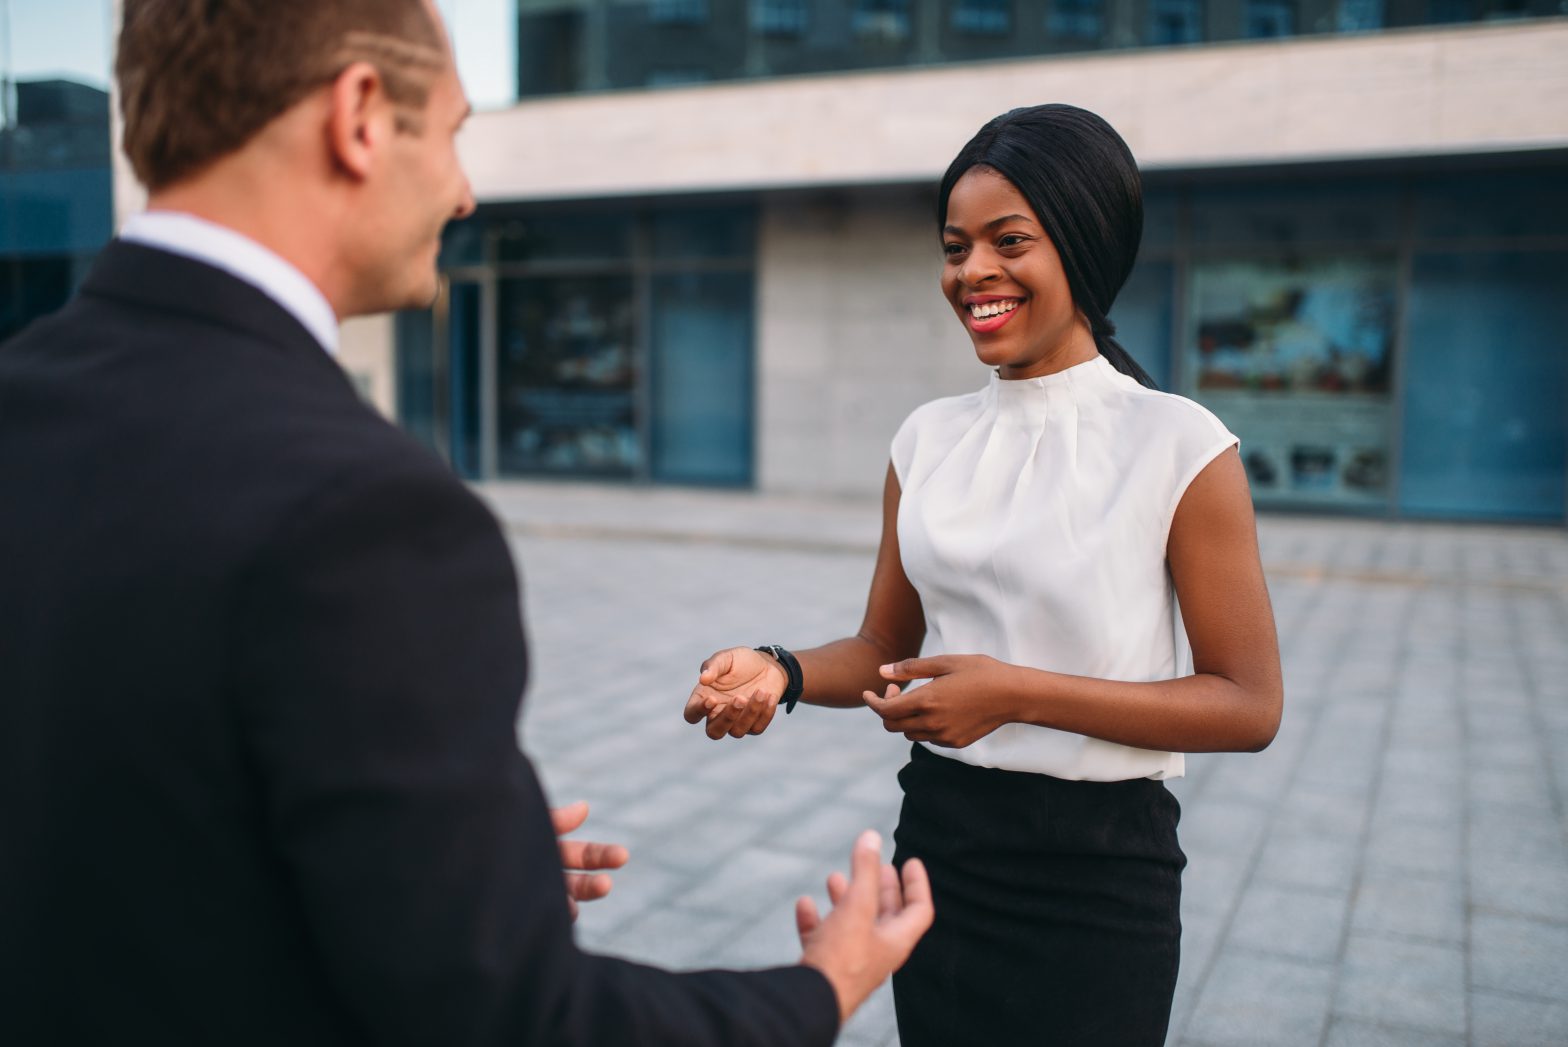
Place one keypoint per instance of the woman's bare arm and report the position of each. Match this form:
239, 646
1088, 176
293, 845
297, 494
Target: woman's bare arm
738, 688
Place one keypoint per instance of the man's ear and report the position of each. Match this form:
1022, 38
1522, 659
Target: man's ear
360, 120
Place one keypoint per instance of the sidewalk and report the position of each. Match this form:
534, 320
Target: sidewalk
1393, 870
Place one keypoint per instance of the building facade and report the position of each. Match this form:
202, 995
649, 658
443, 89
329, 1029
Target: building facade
706, 253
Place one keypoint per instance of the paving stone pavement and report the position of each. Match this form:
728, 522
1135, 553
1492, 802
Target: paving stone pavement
1392, 871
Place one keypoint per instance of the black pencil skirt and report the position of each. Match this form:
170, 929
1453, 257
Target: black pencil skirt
1057, 908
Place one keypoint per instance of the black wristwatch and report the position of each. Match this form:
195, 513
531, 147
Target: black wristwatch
796, 684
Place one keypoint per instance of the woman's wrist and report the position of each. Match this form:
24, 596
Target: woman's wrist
776, 668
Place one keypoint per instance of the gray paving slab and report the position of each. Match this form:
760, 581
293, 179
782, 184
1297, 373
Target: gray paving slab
1392, 871
1501, 1020
1403, 983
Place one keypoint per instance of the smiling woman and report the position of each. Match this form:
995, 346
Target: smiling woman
1037, 536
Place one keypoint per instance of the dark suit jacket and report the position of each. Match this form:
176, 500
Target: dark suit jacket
260, 663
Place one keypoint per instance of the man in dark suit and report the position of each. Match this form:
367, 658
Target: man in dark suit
260, 655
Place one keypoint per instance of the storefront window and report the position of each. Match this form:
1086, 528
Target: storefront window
594, 341
1296, 357
567, 378
56, 206
1486, 404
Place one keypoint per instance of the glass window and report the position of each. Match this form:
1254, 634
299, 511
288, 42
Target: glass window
566, 373
1143, 314
1441, 11
1268, 18
678, 12
570, 236
719, 233
551, 52
1485, 433
1075, 19
779, 17
1485, 205
1296, 358
983, 17
1357, 16
604, 325
1287, 214
56, 191
676, 77
463, 384
1175, 22
881, 19
702, 378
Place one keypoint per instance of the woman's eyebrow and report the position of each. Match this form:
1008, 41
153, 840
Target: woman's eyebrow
992, 224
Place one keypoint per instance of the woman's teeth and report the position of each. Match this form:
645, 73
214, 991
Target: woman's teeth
983, 310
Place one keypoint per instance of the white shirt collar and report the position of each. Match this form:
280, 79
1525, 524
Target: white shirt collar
240, 256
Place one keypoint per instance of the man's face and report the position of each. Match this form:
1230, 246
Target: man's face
424, 187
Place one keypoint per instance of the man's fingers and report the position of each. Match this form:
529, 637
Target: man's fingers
585, 854
569, 818
807, 918
585, 887
889, 898
865, 861
915, 917
838, 886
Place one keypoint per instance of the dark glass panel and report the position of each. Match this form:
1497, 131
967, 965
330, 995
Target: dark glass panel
1486, 429
567, 377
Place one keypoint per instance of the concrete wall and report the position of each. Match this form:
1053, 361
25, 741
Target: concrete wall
365, 350
1418, 92
852, 333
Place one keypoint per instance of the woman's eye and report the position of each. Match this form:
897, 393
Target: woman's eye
952, 249
1010, 240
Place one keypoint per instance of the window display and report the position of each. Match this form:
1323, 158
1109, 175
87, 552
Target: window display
1296, 357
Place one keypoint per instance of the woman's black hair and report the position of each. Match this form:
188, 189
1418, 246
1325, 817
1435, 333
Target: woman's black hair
1083, 184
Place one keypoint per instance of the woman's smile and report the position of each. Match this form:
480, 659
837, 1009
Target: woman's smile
988, 313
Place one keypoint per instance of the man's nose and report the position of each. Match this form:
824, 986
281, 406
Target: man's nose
467, 205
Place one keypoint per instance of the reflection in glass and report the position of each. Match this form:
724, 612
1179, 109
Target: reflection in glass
701, 342
678, 12
983, 17
1297, 359
1143, 314
1358, 16
881, 19
779, 17
56, 206
1262, 19
567, 378
1175, 21
1075, 19
1486, 430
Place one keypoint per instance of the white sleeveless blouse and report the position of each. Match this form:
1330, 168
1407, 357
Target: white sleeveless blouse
1033, 522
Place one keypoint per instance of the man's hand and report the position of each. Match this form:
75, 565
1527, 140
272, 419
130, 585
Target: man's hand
580, 857
737, 690
875, 923
969, 696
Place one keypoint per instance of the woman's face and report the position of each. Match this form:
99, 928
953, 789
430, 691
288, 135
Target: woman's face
1004, 279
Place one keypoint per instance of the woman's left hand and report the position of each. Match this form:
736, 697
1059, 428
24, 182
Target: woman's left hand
969, 696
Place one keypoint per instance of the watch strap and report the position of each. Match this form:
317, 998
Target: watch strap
795, 683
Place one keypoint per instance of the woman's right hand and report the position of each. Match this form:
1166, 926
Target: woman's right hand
737, 691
